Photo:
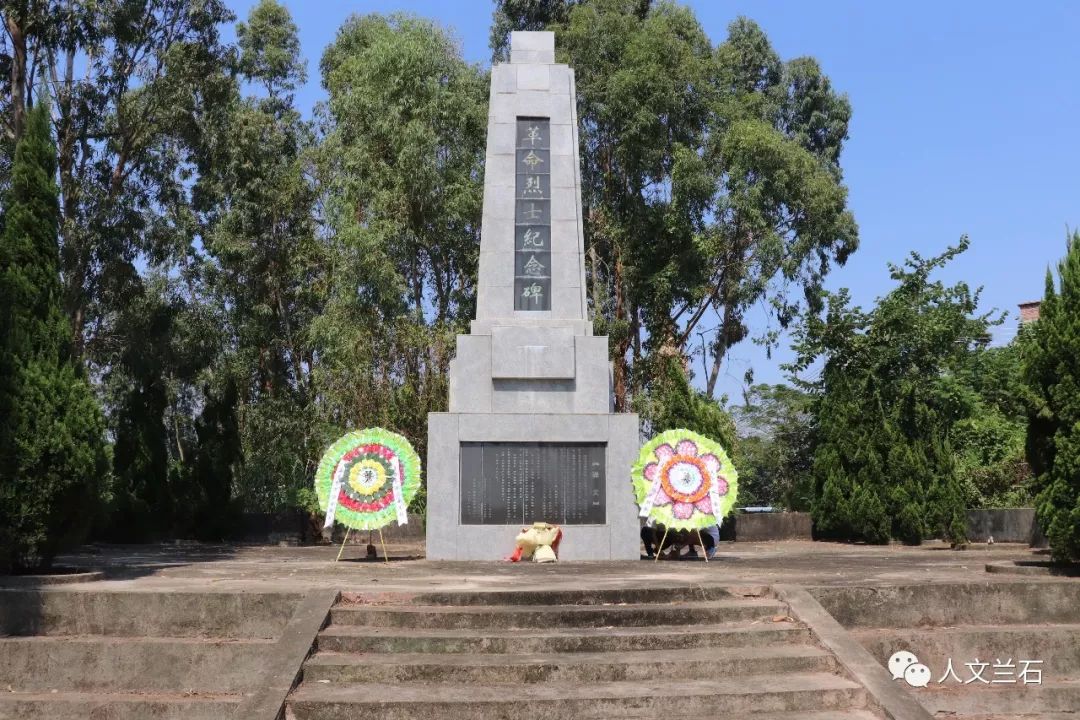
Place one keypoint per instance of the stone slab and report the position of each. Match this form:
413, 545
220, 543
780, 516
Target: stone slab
503, 79
489, 617
533, 77
470, 375
514, 395
359, 639
532, 47
577, 327
532, 353
583, 667
746, 695
116, 706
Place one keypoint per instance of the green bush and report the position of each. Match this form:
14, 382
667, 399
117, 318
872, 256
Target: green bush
989, 443
670, 403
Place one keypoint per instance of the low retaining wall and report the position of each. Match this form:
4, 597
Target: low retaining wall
762, 527
412, 531
940, 605
1011, 525
1008, 525
297, 528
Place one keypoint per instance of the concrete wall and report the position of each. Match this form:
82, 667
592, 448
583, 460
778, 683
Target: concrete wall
300, 528
940, 605
1013, 525
412, 531
761, 527
74, 611
483, 378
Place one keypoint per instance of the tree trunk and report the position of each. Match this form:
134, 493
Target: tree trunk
714, 371
63, 88
719, 350
621, 370
594, 263
18, 76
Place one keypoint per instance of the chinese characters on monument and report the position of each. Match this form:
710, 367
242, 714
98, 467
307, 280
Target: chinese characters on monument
532, 216
516, 483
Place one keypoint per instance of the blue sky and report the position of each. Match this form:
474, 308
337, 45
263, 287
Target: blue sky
966, 120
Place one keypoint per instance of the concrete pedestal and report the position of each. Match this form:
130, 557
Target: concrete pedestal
448, 539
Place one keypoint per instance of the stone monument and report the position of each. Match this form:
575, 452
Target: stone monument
530, 434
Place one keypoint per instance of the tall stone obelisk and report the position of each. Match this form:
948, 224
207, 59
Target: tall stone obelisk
530, 434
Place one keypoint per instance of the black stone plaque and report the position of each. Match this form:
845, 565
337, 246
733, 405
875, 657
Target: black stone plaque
533, 162
532, 293
533, 187
533, 212
533, 265
523, 483
533, 238
532, 215
533, 133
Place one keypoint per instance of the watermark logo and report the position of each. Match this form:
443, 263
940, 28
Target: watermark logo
904, 665
917, 675
901, 661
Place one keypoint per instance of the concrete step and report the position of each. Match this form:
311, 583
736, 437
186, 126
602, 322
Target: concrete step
364, 639
593, 596
70, 611
1058, 646
99, 663
480, 617
116, 706
665, 696
1053, 696
824, 715
1026, 716
567, 667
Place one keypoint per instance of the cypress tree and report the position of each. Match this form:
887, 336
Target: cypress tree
53, 458
1052, 367
886, 404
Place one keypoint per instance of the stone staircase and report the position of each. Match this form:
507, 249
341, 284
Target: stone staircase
133, 655
580, 654
995, 623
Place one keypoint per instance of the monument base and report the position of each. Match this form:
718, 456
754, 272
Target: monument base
448, 538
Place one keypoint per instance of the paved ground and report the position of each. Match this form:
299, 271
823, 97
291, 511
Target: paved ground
263, 568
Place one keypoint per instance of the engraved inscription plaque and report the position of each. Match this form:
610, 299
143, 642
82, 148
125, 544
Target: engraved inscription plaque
532, 215
522, 483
